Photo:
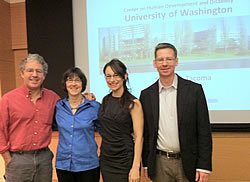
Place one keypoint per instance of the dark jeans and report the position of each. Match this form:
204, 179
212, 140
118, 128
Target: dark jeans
31, 166
92, 175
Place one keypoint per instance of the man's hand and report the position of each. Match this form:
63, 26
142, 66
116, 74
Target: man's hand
89, 96
201, 176
146, 175
6, 157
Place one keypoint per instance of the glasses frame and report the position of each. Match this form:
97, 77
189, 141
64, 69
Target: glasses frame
167, 59
114, 76
77, 81
32, 70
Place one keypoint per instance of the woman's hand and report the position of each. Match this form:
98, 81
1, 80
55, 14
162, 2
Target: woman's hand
134, 175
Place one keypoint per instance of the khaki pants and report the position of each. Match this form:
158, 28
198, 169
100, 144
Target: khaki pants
169, 170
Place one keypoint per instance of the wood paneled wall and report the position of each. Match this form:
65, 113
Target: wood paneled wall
6, 54
19, 36
13, 43
18, 26
231, 157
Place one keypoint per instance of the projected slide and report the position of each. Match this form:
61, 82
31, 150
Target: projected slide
212, 38
203, 44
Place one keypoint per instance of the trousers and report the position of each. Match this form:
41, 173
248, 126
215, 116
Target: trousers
30, 166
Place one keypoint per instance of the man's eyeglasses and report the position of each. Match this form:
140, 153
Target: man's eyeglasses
168, 60
114, 76
70, 80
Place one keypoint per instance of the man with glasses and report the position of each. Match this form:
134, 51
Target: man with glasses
26, 115
177, 135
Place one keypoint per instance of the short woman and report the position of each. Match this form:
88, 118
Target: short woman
76, 118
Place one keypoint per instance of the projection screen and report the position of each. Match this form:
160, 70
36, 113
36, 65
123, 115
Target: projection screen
212, 38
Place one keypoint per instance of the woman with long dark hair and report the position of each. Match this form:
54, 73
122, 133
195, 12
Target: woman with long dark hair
121, 120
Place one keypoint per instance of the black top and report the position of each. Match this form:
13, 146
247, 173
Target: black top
117, 149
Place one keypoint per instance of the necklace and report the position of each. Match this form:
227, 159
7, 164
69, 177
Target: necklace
75, 104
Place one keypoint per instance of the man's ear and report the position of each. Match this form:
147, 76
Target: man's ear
154, 64
177, 62
21, 74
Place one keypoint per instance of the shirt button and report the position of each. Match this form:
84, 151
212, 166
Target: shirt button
34, 144
36, 121
72, 126
37, 110
35, 133
70, 135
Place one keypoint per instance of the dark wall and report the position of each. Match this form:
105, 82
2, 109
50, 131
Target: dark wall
50, 34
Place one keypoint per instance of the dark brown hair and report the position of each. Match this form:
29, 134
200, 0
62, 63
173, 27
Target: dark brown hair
72, 72
165, 46
120, 69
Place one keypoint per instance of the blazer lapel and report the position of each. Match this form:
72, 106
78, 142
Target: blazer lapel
181, 99
155, 103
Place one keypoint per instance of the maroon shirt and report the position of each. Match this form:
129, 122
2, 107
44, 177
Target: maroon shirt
26, 126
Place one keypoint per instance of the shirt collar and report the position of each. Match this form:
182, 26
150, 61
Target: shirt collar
174, 84
27, 92
86, 101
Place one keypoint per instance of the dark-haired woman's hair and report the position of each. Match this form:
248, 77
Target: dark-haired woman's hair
71, 73
120, 69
